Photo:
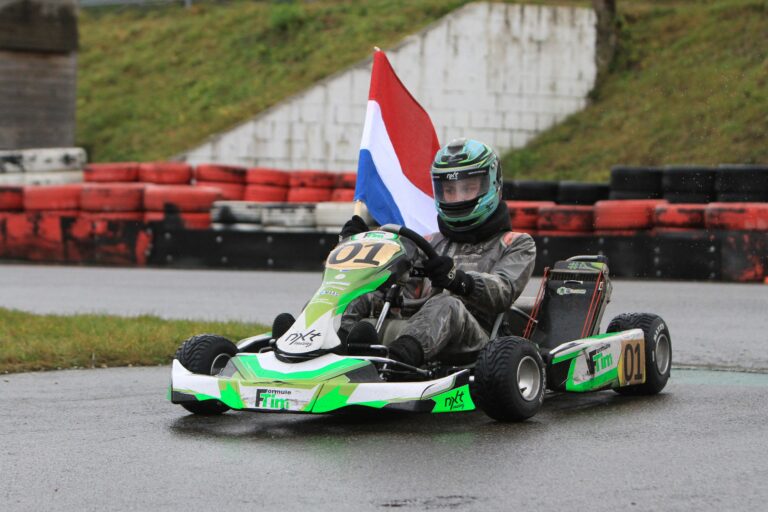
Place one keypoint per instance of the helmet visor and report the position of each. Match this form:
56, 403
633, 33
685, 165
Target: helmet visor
459, 192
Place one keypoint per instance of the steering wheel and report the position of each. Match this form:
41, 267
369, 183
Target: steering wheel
422, 244
413, 236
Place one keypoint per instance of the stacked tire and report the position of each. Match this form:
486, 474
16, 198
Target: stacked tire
229, 180
179, 206
344, 187
628, 182
311, 186
266, 185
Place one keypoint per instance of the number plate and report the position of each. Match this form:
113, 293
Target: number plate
362, 254
632, 363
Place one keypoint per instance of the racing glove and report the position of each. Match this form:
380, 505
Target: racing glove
353, 226
443, 273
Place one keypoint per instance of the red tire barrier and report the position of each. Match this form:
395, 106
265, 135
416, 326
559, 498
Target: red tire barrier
565, 218
346, 180
559, 233
312, 179
343, 194
679, 215
229, 191
625, 213
116, 197
52, 197
309, 195
737, 216
265, 193
188, 220
113, 216
524, 215
165, 173
220, 173
182, 198
111, 172
11, 198
264, 176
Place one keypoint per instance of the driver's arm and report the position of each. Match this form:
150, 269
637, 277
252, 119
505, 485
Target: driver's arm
495, 291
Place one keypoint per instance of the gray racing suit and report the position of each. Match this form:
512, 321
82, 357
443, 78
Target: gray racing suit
451, 324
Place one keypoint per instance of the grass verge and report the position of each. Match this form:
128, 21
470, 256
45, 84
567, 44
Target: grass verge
47, 342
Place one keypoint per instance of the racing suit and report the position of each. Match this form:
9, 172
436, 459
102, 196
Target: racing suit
500, 267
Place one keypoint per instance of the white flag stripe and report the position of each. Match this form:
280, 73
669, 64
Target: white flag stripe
416, 207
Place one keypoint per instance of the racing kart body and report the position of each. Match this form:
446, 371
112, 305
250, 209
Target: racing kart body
549, 342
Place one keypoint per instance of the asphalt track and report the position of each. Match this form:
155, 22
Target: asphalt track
108, 439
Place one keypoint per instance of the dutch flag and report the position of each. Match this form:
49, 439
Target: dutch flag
396, 153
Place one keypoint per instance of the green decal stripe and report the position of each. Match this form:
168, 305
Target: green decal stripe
230, 394
598, 382
252, 368
334, 398
454, 400
346, 298
566, 357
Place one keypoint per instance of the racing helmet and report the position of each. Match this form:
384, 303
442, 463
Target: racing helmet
466, 180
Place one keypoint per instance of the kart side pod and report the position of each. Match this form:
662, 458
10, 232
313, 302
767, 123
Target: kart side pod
599, 362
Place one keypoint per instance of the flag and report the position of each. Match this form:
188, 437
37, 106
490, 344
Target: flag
396, 153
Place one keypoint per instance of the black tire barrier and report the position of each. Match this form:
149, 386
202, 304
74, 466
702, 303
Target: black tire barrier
635, 182
742, 183
694, 184
528, 190
577, 193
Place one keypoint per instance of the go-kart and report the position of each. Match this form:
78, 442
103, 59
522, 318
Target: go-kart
550, 343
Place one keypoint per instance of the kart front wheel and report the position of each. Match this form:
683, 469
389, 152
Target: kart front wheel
509, 379
658, 350
206, 354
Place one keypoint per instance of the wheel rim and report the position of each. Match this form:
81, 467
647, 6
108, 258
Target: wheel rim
528, 378
219, 362
663, 354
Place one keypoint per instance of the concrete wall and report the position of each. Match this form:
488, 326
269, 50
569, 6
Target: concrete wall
495, 72
38, 73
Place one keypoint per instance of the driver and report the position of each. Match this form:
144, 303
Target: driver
482, 265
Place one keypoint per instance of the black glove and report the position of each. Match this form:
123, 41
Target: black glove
443, 273
353, 226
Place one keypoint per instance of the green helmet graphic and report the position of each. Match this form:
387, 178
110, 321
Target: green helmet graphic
466, 179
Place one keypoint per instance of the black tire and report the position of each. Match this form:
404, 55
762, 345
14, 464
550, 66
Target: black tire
205, 354
646, 180
573, 192
637, 194
742, 197
525, 190
734, 178
689, 180
688, 198
496, 389
656, 337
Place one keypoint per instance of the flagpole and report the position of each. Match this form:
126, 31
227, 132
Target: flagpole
358, 208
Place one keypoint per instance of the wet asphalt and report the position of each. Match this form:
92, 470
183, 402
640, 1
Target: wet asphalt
109, 440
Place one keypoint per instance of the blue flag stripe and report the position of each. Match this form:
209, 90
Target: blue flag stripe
372, 191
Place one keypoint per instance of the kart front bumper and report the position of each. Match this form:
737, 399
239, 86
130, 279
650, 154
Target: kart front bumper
275, 392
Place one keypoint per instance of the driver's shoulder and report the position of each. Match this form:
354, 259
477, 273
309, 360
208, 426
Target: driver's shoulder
510, 238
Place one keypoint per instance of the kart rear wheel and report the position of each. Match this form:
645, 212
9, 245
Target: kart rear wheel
206, 354
509, 379
658, 350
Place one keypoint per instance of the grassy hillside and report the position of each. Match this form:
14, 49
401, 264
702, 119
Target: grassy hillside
689, 85
154, 81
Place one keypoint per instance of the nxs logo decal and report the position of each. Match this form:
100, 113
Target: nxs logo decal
272, 398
